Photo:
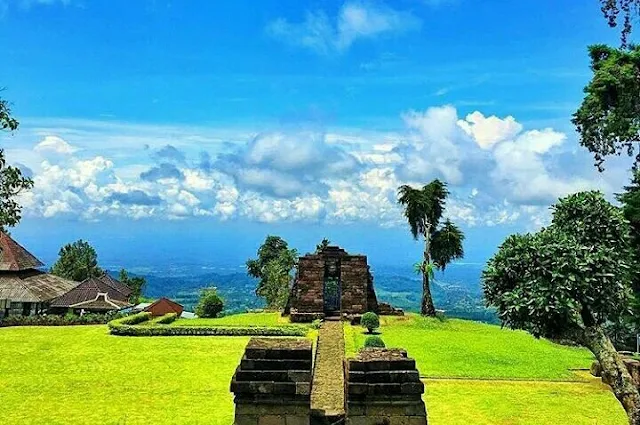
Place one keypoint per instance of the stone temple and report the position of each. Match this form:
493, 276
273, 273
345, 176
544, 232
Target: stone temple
333, 282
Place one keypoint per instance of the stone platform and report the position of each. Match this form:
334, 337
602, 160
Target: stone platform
272, 384
384, 387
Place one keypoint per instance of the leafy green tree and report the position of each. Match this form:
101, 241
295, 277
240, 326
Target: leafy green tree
210, 303
12, 182
275, 289
136, 284
273, 268
568, 281
77, 261
423, 209
608, 120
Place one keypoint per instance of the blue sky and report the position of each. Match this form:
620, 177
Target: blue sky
151, 124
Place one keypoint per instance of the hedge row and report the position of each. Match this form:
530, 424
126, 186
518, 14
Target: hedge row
167, 318
128, 330
56, 320
134, 319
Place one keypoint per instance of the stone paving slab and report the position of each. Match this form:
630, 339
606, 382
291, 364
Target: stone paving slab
327, 394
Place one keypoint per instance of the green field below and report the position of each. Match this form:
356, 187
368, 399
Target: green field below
82, 375
465, 349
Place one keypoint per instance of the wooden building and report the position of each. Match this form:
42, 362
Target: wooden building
25, 290
164, 306
95, 295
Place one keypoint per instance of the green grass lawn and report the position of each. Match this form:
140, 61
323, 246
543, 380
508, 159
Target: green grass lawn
461, 348
456, 402
247, 319
83, 375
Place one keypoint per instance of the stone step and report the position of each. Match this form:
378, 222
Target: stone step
273, 375
273, 364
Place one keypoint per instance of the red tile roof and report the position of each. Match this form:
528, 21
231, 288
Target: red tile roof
13, 257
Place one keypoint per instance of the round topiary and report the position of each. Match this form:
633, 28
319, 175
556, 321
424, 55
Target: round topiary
370, 321
374, 341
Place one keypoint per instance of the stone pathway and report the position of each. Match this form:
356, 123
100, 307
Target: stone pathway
327, 390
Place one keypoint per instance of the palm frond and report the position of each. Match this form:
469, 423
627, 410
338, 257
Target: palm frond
446, 245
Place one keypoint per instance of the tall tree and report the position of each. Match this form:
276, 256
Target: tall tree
12, 182
608, 120
77, 261
135, 283
273, 268
568, 281
423, 209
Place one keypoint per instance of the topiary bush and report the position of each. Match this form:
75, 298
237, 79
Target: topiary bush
374, 341
370, 321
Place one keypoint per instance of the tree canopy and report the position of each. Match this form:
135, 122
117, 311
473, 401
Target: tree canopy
77, 261
12, 182
573, 274
273, 267
135, 283
608, 120
210, 303
621, 10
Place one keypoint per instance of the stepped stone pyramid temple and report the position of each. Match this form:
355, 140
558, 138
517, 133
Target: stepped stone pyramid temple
333, 282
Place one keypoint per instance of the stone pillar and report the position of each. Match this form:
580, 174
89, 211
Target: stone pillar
354, 275
384, 387
308, 297
272, 385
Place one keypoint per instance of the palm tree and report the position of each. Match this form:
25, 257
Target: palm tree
423, 209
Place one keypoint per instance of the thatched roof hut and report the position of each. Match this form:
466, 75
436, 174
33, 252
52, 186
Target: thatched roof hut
102, 293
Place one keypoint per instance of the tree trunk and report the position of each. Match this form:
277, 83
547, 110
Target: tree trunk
427, 308
614, 371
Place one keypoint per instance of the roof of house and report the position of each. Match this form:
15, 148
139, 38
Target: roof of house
174, 305
88, 289
14, 257
102, 301
32, 286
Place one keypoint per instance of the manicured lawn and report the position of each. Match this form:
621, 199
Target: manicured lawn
454, 402
247, 319
460, 348
83, 375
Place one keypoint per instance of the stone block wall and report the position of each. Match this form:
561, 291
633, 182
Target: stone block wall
272, 384
383, 387
354, 275
309, 286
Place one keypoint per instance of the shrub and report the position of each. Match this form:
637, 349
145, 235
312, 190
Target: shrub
374, 341
57, 320
370, 321
134, 319
316, 324
210, 304
128, 330
167, 318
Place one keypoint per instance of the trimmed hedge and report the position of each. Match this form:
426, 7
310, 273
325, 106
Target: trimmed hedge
167, 318
56, 320
134, 319
128, 330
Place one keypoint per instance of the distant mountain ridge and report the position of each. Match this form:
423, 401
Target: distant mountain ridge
457, 290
